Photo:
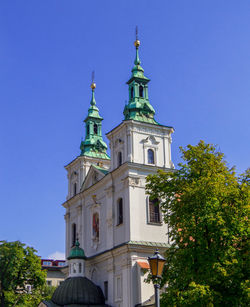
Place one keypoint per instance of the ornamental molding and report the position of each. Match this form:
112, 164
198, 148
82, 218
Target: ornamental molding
132, 181
119, 141
150, 139
148, 130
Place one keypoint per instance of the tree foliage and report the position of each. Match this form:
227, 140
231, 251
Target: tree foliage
207, 207
20, 267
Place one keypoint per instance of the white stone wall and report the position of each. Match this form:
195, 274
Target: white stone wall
133, 139
110, 258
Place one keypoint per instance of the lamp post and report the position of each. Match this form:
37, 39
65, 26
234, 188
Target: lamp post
156, 263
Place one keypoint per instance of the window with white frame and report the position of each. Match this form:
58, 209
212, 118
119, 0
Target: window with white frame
154, 213
47, 263
61, 263
151, 156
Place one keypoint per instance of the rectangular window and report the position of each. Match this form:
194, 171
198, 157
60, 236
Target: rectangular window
154, 211
106, 289
120, 212
61, 263
47, 263
49, 282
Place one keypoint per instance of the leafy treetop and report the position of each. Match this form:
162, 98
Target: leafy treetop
207, 207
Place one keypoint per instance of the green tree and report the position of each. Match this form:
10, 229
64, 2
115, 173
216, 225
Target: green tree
207, 208
19, 267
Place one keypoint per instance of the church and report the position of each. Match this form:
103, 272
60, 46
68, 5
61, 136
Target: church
108, 213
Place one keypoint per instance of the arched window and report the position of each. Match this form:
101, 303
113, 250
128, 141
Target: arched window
151, 156
73, 234
80, 268
132, 92
154, 211
74, 268
119, 158
75, 188
88, 129
119, 211
95, 129
95, 226
141, 91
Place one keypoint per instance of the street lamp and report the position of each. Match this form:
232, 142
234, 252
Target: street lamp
156, 263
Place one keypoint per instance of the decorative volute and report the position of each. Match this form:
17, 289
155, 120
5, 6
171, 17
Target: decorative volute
93, 145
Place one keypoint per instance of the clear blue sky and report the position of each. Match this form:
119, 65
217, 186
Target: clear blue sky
196, 53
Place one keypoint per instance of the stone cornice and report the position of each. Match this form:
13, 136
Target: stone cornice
131, 246
116, 172
136, 124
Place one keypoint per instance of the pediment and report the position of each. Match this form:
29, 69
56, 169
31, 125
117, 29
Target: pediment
94, 175
150, 140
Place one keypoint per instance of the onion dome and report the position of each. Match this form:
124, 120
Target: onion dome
77, 252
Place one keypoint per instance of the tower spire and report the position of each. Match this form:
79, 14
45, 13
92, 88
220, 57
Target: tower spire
137, 44
139, 107
93, 87
93, 145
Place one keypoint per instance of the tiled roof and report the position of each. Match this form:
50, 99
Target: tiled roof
143, 264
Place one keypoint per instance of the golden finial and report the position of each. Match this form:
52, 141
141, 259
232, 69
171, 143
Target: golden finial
93, 85
137, 42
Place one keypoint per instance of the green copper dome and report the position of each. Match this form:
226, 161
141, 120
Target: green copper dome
76, 252
139, 107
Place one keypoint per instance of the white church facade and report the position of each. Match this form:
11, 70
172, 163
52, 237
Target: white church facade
107, 210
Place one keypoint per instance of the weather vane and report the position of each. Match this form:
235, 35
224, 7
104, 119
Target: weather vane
136, 33
137, 42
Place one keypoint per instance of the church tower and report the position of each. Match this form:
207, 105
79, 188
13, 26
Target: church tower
126, 141
117, 224
93, 149
93, 152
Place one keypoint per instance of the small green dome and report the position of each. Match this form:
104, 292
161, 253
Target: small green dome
76, 252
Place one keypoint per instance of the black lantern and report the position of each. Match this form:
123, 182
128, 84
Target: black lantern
156, 263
